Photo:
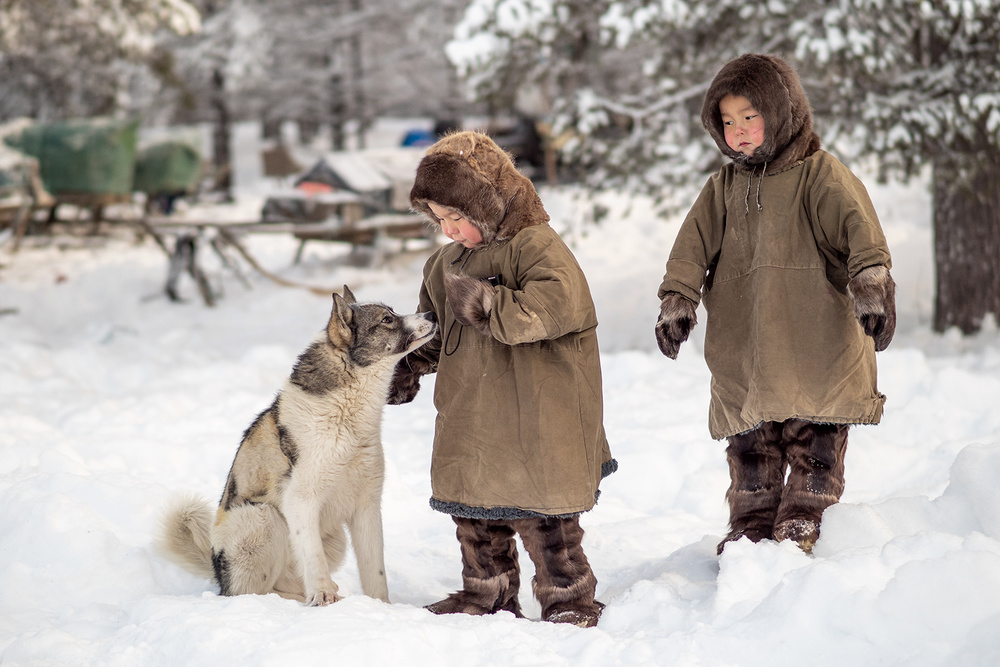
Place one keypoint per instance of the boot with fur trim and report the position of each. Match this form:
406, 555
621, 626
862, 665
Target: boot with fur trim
564, 584
490, 573
815, 455
757, 471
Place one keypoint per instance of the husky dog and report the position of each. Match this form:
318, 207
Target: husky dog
307, 465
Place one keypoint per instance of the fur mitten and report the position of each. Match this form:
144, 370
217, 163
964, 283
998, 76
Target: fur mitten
677, 318
471, 300
406, 379
874, 294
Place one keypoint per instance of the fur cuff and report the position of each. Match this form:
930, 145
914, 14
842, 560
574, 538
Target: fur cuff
873, 292
471, 301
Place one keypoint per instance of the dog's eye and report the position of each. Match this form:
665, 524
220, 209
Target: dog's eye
388, 319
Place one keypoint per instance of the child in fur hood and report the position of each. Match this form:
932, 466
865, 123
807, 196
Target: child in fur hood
519, 443
784, 247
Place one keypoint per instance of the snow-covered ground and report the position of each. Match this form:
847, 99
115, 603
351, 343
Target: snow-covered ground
112, 399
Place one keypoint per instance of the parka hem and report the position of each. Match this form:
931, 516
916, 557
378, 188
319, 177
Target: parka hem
812, 420
497, 513
511, 513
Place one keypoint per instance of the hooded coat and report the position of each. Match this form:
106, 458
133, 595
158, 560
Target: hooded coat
770, 246
519, 430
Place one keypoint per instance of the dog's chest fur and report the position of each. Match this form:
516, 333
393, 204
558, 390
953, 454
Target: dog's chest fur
342, 424
321, 437
324, 439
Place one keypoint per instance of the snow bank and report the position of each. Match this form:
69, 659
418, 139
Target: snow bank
114, 399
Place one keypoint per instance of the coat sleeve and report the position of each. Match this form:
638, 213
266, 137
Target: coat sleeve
551, 297
698, 242
848, 219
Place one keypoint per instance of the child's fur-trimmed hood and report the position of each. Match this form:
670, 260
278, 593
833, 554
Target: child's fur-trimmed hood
467, 171
773, 88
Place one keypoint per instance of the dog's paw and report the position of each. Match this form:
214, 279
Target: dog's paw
322, 598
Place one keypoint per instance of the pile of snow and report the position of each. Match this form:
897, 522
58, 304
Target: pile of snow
114, 399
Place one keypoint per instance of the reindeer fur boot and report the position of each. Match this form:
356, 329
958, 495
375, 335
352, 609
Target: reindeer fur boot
490, 573
757, 471
815, 454
564, 583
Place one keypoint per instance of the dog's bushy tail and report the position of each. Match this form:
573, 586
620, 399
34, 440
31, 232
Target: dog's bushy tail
184, 534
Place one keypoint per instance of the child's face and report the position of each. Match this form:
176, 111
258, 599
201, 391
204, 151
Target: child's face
455, 226
742, 124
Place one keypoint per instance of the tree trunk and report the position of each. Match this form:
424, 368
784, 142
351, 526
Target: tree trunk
357, 82
338, 113
222, 137
966, 240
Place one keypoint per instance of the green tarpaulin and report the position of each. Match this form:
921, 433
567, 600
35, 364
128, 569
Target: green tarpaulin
168, 167
92, 156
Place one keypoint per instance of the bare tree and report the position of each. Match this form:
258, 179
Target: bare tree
61, 58
334, 63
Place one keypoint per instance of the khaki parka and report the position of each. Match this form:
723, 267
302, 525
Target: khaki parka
781, 339
770, 246
519, 429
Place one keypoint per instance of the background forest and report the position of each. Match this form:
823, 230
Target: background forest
909, 87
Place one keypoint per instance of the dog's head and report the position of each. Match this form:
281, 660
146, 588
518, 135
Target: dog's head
370, 332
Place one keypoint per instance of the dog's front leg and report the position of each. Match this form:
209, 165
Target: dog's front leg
366, 536
302, 514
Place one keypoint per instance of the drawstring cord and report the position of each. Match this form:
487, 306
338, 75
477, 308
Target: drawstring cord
746, 199
460, 256
761, 180
447, 339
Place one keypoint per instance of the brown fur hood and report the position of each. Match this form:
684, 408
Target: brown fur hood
468, 172
773, 88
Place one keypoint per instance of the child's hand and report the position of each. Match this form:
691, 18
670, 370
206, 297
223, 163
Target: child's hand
677, 318
874, 294
471, 301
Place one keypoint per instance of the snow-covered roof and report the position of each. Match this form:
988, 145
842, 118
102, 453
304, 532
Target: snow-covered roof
374, 169
357, 171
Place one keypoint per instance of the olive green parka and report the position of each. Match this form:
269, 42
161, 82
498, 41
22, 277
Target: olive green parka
519, 429
770, 246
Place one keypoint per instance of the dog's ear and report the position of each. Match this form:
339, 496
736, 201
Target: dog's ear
349, 295
339, 329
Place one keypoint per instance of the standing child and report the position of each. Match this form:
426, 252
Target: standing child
519, 443
784, 246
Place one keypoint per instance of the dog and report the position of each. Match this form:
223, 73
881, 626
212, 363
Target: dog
308, 465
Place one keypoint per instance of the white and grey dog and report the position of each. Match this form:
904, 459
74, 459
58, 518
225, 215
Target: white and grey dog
309, 464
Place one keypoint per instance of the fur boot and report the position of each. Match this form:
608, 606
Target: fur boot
815, 454
490, 573
757, 471
564, 584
